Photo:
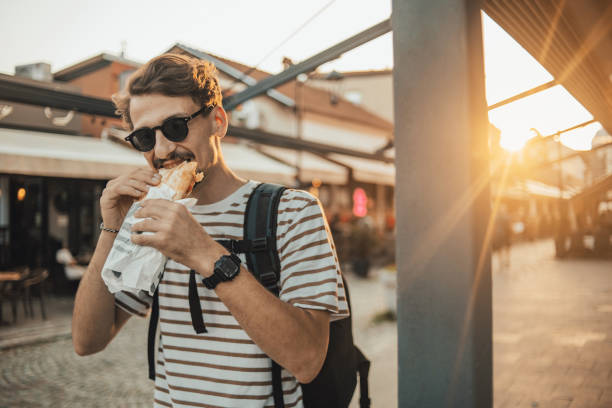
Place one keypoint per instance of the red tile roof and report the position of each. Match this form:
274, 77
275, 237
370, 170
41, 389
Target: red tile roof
314, 100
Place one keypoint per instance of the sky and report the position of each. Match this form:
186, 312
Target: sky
509, 70
64, 32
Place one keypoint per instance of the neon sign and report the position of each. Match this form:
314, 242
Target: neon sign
360, 202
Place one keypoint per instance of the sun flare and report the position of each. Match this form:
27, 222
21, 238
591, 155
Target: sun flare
512, 143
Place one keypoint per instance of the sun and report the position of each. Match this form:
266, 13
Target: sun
515, 135
512, 143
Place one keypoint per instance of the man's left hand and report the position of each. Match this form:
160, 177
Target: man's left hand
176, 234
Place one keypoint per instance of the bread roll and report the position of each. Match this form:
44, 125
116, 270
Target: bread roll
181, 178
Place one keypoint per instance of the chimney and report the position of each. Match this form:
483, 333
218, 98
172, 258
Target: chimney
40, 71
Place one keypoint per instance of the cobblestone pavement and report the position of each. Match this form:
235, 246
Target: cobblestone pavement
552, 345
52, 375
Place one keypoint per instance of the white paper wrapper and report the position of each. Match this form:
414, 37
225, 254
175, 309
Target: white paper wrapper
134, 268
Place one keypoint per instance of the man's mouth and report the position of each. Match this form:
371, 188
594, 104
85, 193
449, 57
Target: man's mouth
169, 164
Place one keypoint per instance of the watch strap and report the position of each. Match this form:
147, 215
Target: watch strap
212, 281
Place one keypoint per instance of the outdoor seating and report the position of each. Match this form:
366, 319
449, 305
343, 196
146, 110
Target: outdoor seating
32, 286
12, 289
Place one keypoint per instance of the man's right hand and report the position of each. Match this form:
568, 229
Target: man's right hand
121, 192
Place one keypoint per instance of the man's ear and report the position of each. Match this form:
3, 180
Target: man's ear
219, 121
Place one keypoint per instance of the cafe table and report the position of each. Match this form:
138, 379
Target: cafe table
7, 278
10, 276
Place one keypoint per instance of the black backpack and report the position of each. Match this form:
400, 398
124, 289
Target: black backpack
335, 384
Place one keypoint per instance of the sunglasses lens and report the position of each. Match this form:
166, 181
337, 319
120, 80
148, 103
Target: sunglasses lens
143, 139
175, 130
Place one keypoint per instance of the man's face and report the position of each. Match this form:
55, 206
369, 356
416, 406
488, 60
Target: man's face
151, 110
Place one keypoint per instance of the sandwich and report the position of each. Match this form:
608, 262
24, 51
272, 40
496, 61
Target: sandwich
181, 178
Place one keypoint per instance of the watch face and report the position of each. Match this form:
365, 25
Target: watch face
227, 267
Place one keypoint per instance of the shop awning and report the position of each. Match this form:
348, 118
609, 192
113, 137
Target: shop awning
250, 164
533, 188
311, 165
55, 155
368, 171
336, 171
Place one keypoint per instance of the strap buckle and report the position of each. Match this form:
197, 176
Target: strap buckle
268, 279
235, 247
259, 244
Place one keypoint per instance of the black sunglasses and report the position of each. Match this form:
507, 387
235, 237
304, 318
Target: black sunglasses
174, 129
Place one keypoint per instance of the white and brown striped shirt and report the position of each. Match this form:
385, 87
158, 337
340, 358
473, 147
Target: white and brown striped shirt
224, 367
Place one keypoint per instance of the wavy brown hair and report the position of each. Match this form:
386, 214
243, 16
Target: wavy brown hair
171, 75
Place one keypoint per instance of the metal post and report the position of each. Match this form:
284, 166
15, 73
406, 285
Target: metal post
443, 206
524, 94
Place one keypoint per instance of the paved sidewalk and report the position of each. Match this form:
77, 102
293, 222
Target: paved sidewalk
552, 344
378, 341
40, 369
50, 374
552, 333
35, 330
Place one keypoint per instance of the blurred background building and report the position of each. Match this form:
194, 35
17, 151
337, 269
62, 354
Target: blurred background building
54, 163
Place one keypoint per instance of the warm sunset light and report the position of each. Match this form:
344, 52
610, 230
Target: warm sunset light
513, 142
511, 70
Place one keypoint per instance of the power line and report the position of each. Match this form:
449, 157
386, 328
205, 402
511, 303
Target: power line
297, 30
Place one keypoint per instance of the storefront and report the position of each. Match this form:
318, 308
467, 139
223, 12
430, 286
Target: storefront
40, 215
50, 186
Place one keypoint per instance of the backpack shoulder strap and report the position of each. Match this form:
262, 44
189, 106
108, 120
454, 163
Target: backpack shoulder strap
262, 258
260, 234
151, 336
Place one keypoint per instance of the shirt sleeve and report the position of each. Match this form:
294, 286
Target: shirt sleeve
310, 271
138, 305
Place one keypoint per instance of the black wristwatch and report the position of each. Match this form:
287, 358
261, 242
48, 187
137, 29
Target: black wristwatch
226, 269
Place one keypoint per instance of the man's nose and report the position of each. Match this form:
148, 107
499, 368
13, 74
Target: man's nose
163, 146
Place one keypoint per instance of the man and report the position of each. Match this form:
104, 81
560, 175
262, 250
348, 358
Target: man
72, 269
229, 365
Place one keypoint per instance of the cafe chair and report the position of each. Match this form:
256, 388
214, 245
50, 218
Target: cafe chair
13, 291
33, 286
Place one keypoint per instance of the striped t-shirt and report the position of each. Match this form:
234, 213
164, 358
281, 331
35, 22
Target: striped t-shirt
224, 367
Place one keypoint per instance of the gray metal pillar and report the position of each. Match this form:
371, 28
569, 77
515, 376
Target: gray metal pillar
443, 205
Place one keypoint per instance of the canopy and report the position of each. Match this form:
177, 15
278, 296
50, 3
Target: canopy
249, 163
311, 166
368, 171
56, 155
